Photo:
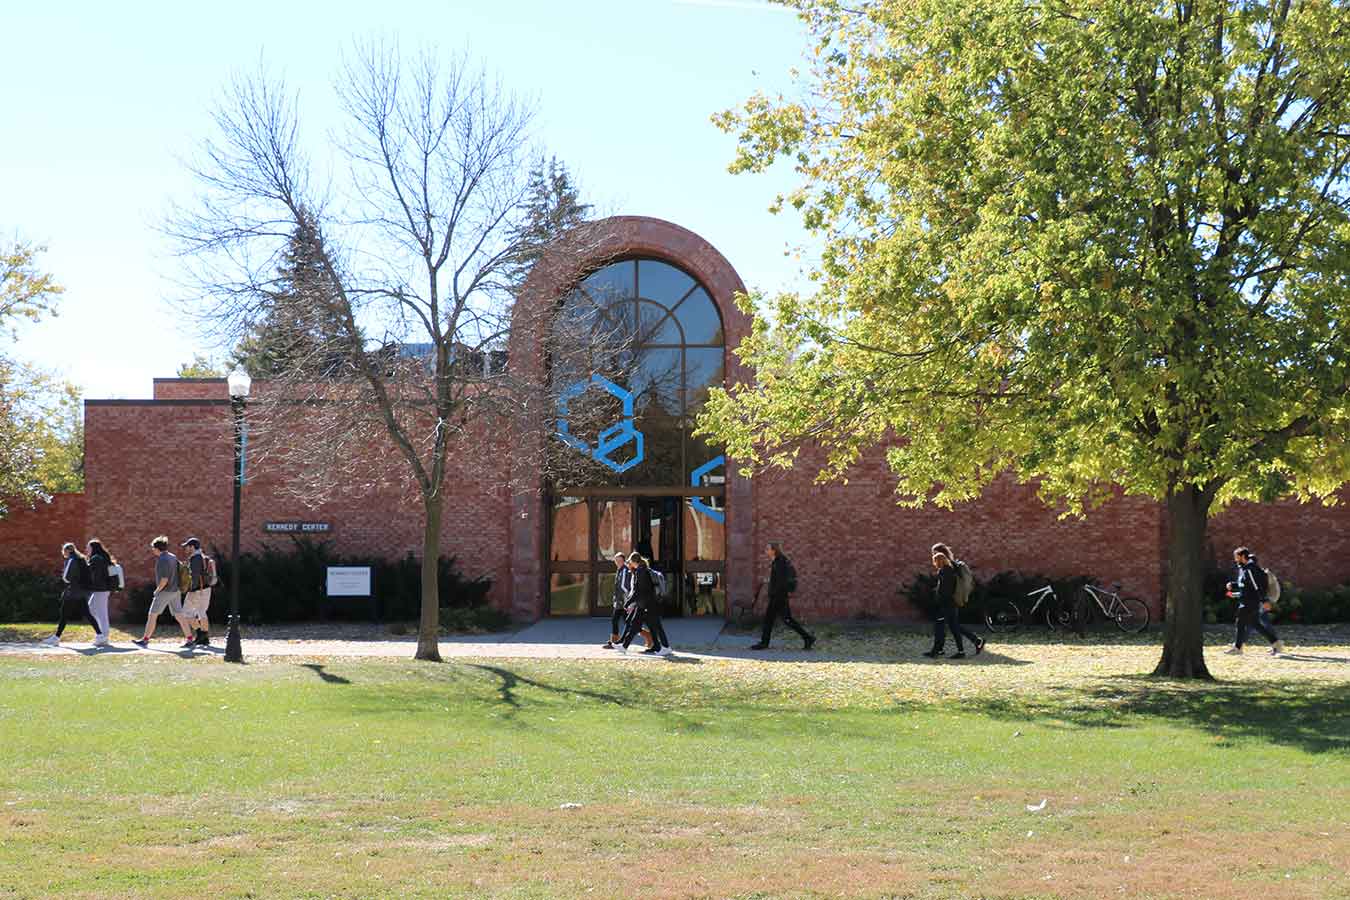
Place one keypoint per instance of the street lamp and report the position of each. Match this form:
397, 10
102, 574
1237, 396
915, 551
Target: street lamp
239, 384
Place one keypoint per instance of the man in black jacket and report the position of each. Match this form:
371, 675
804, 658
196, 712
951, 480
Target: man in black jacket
622, 587
782, 582
948, 616
1250, 592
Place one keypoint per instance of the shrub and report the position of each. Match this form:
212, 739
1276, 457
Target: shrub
286, 584
28, 596
1002, 587
1314, 606
473, 620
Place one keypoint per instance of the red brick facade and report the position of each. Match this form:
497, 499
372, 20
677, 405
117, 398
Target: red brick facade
164, 466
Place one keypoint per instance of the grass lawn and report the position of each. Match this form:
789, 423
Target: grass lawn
131, 775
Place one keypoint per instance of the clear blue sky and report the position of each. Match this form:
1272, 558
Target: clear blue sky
103, 101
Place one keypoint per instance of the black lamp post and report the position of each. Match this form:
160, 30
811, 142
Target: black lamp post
239, 384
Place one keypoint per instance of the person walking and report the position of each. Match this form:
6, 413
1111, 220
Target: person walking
1250, 592
198, 599
947, 613
167, 595
648, 613
102, 582
782, 582
75, 576
622, 588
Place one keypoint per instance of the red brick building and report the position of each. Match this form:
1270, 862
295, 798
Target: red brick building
163, 465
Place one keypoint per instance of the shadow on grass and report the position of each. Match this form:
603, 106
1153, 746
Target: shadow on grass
1313, 717
328, 677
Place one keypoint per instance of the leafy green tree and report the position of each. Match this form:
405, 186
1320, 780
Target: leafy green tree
41, 438
25, 291
1090, 243
200, 367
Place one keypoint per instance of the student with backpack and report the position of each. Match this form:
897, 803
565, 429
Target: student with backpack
648, 612
197, 600
951, 595
782, 584
104, 578
168, 594
75, 576
1251, 590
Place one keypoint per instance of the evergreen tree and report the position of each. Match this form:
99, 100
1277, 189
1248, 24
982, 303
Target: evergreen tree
551, 207
293, 336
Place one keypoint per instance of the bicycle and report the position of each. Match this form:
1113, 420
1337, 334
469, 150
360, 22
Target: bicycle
1006, 616
1129, 614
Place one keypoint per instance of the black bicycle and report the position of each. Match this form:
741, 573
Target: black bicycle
1006, 616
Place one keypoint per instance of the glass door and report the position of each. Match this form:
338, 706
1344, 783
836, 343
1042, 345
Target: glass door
657, 530
613, 534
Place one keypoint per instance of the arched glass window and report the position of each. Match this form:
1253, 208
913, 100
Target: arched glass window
671, 342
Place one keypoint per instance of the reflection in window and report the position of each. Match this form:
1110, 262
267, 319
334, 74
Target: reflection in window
568, 594
612, 283
662, 282
664, 342
570, 529
699, 318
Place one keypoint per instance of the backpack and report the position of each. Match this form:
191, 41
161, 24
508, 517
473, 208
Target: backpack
658, 582
184, 577
81, 577
208, 572
965, 583
1272, 586
791, 580
115, 578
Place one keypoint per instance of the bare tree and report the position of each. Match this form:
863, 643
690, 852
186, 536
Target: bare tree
414, 252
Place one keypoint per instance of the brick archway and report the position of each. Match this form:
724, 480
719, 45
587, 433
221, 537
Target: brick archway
587, 248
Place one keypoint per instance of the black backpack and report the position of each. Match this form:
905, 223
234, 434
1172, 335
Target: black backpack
81, 577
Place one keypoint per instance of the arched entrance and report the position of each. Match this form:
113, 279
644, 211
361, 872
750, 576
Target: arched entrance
681, 504
658, 489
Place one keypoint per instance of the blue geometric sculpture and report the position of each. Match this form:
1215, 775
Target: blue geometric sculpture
612, 438
697, 502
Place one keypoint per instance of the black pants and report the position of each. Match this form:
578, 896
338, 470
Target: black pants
70, 598
614, 621
778, 609
1249, 616
950, 618
648, 617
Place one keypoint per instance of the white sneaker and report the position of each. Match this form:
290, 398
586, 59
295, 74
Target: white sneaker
623, 649
1277, 648
51, 641
100, 641
666, 651
1234, 651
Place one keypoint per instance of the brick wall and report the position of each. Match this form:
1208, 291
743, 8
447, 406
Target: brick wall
1304, 543
853, 546
165, 467
32, 538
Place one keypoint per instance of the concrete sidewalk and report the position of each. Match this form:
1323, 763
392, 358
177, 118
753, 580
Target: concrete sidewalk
579, 638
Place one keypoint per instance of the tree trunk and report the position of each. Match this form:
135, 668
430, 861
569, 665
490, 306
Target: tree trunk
1183, 631
429, 628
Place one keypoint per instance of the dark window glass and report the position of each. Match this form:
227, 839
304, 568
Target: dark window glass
703, 369
656, 326
698, 315
663, 283
656, 380
610, 284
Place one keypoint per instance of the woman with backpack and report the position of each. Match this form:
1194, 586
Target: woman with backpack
948, 615
648, 614
104, 578
75, 575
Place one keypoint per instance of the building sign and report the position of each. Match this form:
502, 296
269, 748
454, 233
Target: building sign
348, 581
297, 527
